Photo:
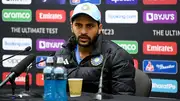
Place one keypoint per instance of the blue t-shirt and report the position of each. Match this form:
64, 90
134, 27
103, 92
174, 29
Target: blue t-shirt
78, 58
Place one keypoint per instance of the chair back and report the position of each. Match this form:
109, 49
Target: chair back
143, 84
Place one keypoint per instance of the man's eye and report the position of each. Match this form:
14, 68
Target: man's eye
90, 26
78, 25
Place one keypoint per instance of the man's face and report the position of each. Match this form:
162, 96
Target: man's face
85, 30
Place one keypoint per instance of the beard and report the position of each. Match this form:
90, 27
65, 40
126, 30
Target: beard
87, 42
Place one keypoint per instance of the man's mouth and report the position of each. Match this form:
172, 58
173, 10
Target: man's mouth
83, 39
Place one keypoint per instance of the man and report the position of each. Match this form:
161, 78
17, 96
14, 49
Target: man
86, 51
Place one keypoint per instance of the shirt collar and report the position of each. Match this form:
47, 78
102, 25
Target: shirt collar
78, 58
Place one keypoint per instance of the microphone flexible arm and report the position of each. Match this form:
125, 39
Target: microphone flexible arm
98, 95
27, 78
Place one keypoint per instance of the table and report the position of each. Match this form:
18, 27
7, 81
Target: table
89, 97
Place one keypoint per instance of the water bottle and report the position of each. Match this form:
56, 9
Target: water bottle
49, 82
60, 75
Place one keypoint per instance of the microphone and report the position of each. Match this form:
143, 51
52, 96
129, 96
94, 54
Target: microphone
25, 50
18, 69
98, 95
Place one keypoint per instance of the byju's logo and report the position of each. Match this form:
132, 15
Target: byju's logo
169, 16
165, 86
16, 43
50, 1
160, 66
75, 2
42, 64
130, 46
16, 15
49, 44
159, 2
121, 16
18, 2
121, 2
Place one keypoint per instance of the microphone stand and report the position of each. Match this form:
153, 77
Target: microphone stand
27, 92
27, 80
99, 94
13, 87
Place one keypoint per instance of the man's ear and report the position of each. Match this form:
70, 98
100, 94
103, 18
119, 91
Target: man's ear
100, 29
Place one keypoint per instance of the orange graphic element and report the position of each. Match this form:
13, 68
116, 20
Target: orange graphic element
135, 63
159, 48
159, 2
50, 16
20, 80
39, 79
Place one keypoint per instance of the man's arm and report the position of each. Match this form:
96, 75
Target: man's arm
123, 73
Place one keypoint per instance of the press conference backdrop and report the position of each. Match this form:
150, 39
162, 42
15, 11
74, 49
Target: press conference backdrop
147, 29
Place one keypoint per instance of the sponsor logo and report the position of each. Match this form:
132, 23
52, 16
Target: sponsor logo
160, 16
160, 2
108, 31
39, 79
50, 1
119, 2
42, 64
121, 16
12, 62
16, 43
160, 66
135, 63
20, 2
50, 16
159, 48
20, 80
75, 2
71, 13
16, 15
130, 46
49, 44
164, 86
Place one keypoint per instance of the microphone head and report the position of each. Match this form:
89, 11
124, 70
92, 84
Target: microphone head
21, 66
27, 48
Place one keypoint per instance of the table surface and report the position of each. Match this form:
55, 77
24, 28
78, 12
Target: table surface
85, 97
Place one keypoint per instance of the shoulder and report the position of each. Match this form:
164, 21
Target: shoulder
116, 50
107, 44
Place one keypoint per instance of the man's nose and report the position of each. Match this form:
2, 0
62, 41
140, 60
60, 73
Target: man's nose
83, 31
